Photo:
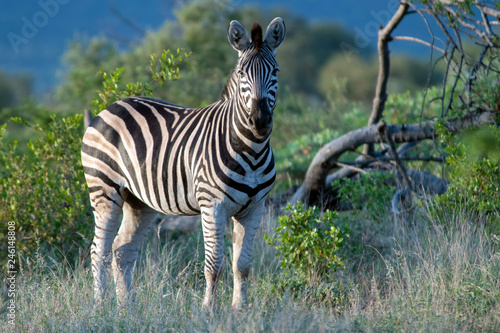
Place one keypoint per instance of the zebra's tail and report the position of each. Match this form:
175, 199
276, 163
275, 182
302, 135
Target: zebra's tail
87, 117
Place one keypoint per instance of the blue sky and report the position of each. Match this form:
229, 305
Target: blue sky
34, 35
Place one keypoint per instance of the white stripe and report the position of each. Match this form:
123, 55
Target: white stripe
126, 137
95, 139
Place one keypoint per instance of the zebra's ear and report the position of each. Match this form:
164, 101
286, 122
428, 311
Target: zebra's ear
275, 33
237, 36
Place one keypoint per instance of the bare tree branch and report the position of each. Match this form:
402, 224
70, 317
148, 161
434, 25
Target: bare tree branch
468, 26
457, 77
456, 22
384, 37
405, 181
360, 164
349, 166
418, 40
87, 117
440, 24
489, 11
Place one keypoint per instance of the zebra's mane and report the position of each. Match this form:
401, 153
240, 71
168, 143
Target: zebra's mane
256, 36
229, 87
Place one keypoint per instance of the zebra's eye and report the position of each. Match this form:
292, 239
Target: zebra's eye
241, 73
275, 71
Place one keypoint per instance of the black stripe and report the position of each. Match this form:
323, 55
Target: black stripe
136, 132
102, 156
226, 158
102, 176
107, 198
113, 137
157, 135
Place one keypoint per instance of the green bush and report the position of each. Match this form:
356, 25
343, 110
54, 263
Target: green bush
370, 194
162, 69
473, 168
308, 242
295, 157
45, 194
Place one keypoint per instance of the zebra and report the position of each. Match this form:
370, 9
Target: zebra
143, 155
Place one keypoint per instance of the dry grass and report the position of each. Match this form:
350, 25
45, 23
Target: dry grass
427, 278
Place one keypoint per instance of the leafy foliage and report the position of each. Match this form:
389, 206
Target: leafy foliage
308, 241
295, 157
162, 69
369, 193
355, 77
44, 192
474, 173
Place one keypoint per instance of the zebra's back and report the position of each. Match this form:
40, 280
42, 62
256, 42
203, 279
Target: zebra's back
172, 158
139, 145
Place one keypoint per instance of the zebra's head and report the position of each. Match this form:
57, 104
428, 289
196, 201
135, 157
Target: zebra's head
257, 72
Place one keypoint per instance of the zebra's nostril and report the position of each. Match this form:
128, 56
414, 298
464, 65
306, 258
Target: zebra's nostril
251, 122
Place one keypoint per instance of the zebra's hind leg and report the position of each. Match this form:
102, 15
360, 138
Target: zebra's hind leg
137, 218
244, 230
107, 207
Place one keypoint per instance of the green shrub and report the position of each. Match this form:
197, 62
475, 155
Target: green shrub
295, 157
473, 167
308, 242
45, 194
162, 69
370, 194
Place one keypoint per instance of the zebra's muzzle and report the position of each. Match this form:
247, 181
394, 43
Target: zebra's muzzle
261, 118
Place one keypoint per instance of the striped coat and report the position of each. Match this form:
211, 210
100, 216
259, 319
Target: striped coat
142, 156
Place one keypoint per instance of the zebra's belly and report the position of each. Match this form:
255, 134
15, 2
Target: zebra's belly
182, 201
167, 198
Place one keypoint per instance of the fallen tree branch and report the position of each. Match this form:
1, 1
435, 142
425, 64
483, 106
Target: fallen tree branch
353, 168
362, 163
326, 158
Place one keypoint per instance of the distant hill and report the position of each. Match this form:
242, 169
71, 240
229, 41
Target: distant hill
35, 35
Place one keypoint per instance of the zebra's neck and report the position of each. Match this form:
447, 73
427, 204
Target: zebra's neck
230, 87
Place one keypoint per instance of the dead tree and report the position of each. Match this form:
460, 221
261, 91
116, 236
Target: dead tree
455, 21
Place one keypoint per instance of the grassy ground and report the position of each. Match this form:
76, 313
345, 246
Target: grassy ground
427, 278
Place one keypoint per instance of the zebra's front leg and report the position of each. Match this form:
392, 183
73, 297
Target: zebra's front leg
244, 230
214, 219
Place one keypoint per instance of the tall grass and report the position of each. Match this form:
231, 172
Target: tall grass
437, 276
